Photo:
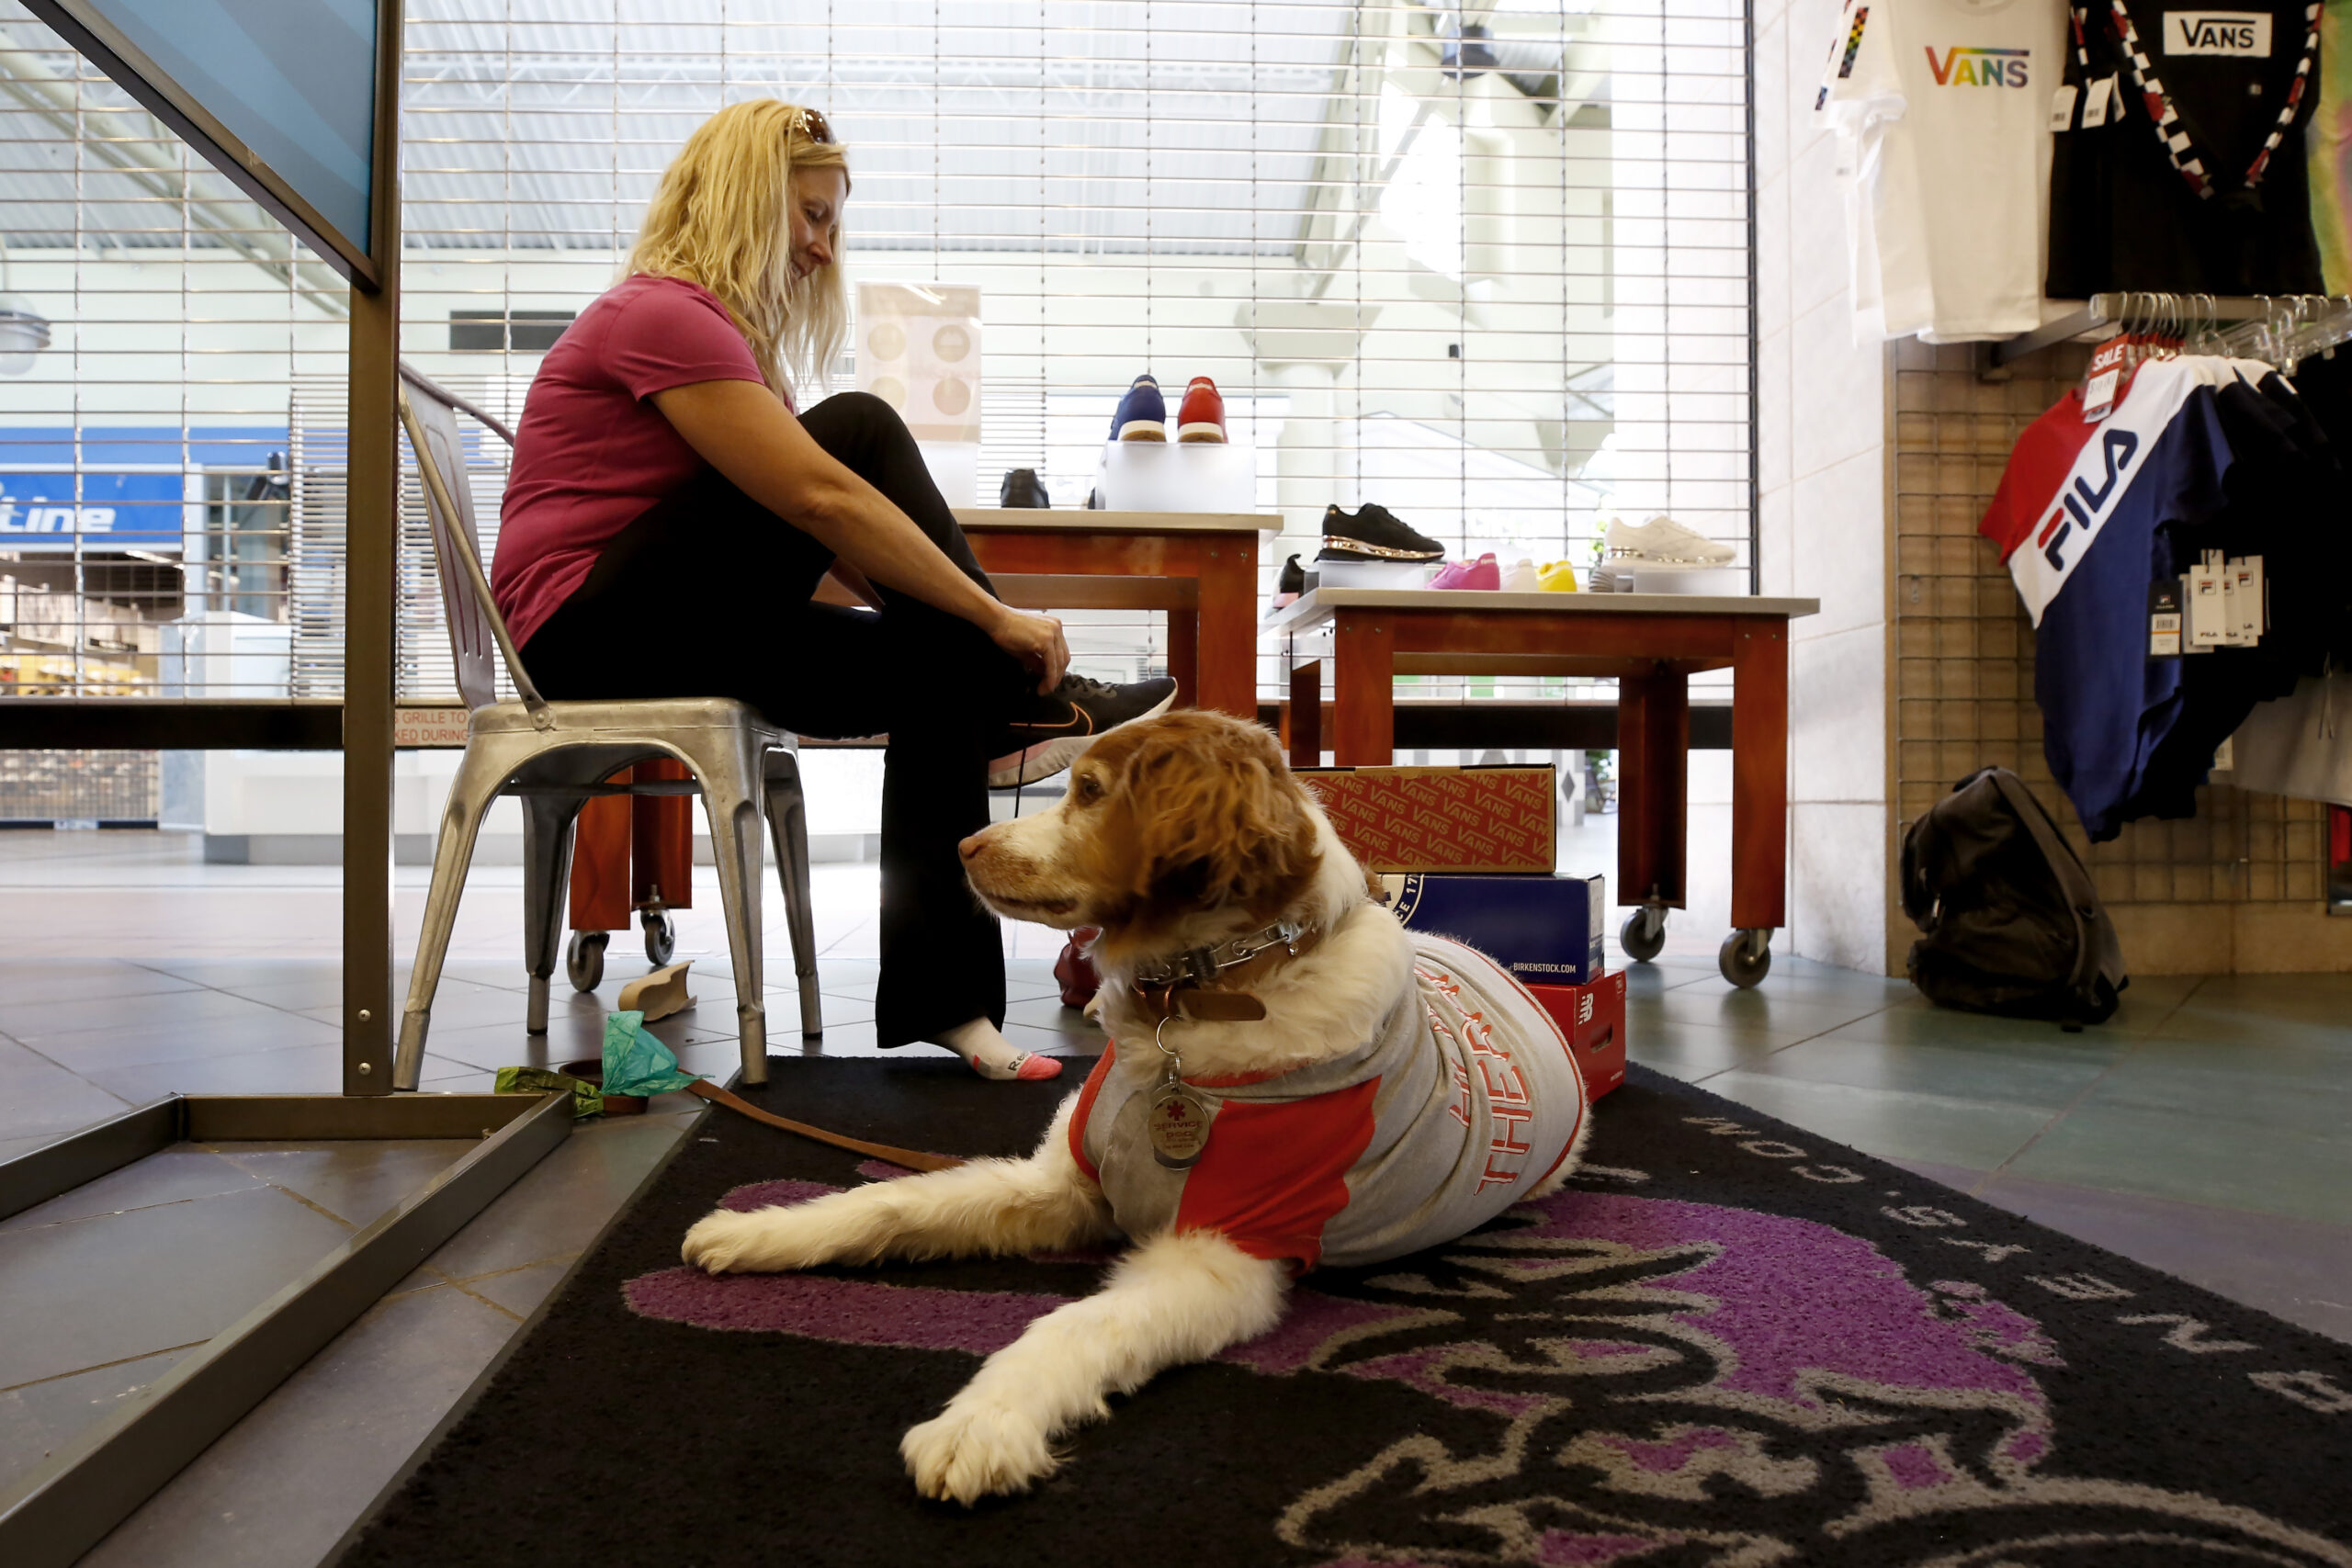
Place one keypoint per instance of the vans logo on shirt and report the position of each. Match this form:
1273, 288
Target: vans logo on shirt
2245, 35
1979, 67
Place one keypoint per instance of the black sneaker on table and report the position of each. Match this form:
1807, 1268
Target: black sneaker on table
1021, 489
1373, 534
1074, 715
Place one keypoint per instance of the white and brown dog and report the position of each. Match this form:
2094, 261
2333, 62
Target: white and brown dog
1293, 1079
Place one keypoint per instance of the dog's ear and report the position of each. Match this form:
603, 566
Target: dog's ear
1218, 819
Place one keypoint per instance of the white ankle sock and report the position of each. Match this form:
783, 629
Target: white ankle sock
991, 1054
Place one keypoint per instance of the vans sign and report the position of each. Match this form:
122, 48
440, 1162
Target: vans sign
2245, 35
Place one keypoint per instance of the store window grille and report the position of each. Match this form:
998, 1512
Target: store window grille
1487, 268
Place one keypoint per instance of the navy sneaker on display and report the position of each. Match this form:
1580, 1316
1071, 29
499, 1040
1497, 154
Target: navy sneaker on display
1066, 721
1373, 534
1022, 487
1143, 413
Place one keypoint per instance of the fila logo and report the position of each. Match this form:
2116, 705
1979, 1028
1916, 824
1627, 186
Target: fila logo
1979, 67
2243, 35
2117, 448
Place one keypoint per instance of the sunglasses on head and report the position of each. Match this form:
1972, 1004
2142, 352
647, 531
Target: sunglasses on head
814, 124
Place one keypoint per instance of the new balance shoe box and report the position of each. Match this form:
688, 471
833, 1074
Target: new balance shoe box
1593, 1017
1421, 820
1546, 931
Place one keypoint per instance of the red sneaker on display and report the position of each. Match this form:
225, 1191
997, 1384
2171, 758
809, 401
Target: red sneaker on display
1202, 417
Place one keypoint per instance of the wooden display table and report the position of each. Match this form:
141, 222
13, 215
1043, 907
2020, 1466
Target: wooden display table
1200, 567
1652, 644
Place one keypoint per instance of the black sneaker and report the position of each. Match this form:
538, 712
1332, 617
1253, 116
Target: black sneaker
1290, 584
1373, 534
1077, 714
1021, 489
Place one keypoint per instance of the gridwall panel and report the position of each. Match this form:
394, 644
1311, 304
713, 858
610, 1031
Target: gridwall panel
1963, 652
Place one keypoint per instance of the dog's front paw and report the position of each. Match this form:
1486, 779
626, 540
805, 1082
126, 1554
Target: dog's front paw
725, 1241
975, 1448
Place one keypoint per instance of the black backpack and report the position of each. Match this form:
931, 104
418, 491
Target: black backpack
2013, 924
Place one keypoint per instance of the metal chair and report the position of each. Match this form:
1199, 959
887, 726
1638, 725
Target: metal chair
554, 756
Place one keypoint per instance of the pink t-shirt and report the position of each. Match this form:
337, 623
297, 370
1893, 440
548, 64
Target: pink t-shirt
591, 452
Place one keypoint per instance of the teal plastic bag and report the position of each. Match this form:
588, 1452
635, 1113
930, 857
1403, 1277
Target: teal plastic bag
637, 1064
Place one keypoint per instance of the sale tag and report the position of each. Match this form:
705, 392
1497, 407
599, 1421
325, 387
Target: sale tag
2062, 107
2101, 388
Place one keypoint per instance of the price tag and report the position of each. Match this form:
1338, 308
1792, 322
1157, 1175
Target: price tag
2062, 107
2163, 618
2103, 386
2096, 103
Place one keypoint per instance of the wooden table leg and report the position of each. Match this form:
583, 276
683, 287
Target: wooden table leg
1226, 646
1184, 655
1363, 690
1306, 715
1653, 786
662, 840
600, 856
1759, 775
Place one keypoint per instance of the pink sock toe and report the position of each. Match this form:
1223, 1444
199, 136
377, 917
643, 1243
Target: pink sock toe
1036, 1069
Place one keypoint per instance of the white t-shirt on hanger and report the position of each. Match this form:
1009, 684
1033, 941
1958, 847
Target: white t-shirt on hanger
1943, 107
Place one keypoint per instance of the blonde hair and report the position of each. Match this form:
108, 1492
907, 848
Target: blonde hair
721, 218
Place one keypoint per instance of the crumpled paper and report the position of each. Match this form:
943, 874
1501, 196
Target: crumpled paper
586, 1100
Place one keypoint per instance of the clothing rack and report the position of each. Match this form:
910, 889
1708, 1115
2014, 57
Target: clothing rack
2113, 310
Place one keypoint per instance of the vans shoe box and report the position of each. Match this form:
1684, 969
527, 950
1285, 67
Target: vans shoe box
1546, 931
1593, 1017
1415, 819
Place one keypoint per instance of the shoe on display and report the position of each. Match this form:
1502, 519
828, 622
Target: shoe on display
1022, 487
1063, 724
1373, 533
1143, 413
1201, 417
1661, 541
1557, 577
1292, 581
1522, 578
1480, 573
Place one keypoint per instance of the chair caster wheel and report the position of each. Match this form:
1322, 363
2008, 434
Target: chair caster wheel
1746, 956
1642, 935
661, 937
583, 959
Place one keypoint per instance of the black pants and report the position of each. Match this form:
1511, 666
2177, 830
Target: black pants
707, 594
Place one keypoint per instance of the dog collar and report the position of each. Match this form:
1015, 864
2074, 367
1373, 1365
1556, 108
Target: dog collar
1196, 965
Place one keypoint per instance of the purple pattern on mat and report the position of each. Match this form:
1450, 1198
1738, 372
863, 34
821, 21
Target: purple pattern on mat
1313, 1319
1792, 1297
881, 1171
1573, 1549
773, 1195
1914, 1465
1669, 1458
847, 1312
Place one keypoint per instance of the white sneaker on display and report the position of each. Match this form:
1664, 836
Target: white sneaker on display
1661, 541
1522, 579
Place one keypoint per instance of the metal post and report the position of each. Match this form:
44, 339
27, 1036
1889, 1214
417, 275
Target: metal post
371, 568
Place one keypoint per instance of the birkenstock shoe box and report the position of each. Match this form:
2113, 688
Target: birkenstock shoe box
1546, 931
1593, 1017
1414, 819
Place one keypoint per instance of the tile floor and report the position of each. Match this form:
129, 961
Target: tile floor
2206, 1130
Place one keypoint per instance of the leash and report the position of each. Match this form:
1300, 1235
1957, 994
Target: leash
913, 1159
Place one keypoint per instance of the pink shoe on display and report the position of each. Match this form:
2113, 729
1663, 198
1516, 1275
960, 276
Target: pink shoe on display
1480, 573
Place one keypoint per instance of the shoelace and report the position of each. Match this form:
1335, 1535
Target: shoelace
1084, 685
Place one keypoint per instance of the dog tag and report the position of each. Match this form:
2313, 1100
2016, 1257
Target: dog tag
1178, 1126
1220, 1006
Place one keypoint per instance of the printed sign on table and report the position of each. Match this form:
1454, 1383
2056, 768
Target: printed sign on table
919, 350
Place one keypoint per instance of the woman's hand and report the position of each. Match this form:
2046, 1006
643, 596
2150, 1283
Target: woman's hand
1036, 641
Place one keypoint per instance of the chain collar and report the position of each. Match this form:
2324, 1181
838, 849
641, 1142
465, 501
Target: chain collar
1196, 965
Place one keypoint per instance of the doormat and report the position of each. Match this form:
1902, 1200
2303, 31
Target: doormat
1728, 1342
